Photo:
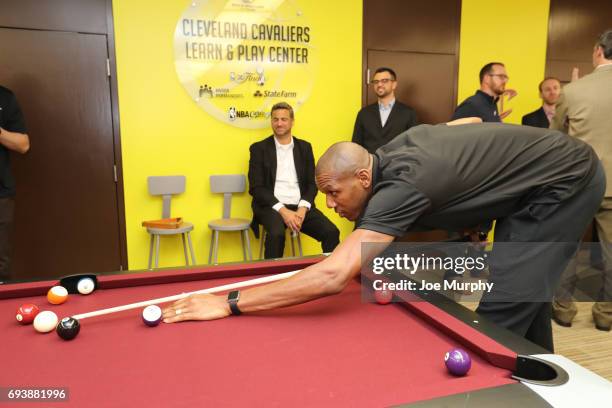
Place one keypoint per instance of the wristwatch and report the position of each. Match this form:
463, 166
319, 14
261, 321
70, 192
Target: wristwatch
232, 299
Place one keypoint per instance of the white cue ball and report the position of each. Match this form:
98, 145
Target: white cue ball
152, 315
46, 321
85, 286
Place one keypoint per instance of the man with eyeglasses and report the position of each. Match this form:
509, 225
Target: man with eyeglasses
378, 123
483, 104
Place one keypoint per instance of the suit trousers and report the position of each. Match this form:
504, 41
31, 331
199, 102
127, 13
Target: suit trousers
569, 279
531, 273
315, 225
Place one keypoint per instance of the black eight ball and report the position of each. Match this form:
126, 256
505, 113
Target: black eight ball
68, 328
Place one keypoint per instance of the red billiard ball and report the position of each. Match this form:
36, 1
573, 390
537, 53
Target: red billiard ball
26, 313
383, 296
458, 362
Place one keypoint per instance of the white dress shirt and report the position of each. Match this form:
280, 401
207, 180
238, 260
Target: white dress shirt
385, 111
286, 187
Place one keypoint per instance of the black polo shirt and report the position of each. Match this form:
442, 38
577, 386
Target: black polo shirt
455, 177
479, 105
11, 119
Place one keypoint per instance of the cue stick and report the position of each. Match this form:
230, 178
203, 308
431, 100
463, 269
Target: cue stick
222, 288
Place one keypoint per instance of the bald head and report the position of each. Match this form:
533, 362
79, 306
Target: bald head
343, 159
344, 175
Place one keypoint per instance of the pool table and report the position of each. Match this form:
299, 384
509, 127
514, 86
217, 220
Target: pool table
338, 351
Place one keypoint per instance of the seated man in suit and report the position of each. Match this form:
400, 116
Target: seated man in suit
282, 183
550, 89
377, 124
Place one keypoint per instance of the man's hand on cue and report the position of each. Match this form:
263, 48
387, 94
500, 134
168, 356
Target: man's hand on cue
197, 307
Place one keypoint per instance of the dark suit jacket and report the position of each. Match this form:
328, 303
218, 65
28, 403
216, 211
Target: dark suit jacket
369, 131
262, 174
536, 118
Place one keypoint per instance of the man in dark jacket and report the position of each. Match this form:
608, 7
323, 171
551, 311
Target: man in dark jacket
550, 89
281, 181
377, 124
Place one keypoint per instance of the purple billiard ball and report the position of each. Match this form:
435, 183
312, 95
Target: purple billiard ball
151, 315
458, 362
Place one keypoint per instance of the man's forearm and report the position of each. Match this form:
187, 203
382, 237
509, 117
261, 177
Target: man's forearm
312, 283
325, 278
19, 142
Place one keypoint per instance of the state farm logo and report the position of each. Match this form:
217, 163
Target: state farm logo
275, 94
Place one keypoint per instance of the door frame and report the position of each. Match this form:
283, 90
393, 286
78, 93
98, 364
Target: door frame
114, 93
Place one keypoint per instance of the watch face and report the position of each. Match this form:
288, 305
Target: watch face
233, 296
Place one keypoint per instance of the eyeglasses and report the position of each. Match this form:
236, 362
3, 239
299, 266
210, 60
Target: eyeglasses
501, 76
381, 81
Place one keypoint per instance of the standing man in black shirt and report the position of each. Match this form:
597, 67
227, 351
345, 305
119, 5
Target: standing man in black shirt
378, 123
13, 137
483, 104
550, 90
541, 185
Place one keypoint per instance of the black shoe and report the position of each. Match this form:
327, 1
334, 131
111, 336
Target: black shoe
602, 323
562, 322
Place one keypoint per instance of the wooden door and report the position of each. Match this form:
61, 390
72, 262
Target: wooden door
426, 82
420, 42
67, 203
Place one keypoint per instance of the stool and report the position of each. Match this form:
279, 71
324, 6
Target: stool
294, 236
228, 184
167, 186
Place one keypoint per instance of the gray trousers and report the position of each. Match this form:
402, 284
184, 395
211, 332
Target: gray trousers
530, 274
603, 224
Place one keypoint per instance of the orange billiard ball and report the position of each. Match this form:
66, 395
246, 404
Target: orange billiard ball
57, 295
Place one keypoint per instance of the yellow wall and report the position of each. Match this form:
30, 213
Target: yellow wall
512, 32
164, 133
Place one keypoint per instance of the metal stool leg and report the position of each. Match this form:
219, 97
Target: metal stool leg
156, 251
299, 243
185, 248
151, 251
193, 258
212, 244
261, 245
244, 254
291, 236
216, 248
248, 244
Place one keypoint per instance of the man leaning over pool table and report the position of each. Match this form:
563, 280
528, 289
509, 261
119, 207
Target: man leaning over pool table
539, 184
